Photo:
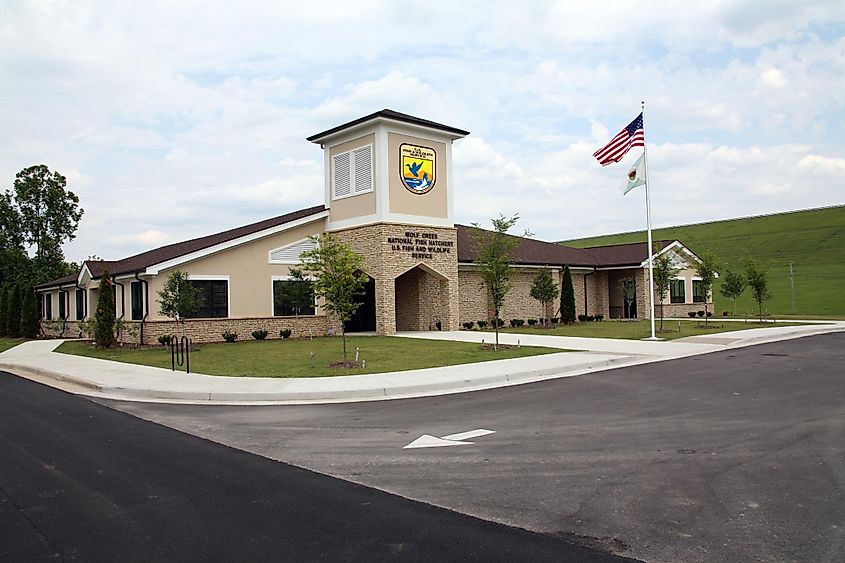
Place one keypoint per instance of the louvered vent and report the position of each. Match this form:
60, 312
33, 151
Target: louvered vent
352, 172
342, 165
290, 254
363, 169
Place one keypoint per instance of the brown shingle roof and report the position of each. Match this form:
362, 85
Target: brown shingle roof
529, 251
141, 261
389, 114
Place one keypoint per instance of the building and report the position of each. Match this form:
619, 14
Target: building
388, 194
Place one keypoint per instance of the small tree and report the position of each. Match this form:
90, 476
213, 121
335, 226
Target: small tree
707, 270
493, 251
567, 298
29, 315
628, 286
757, 276
300, 293
732, 286
4, 310
13, 321
178, 298
338, 277
104, 318
544, 290
664, 273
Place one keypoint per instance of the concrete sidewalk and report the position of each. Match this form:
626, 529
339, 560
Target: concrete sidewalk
115, 380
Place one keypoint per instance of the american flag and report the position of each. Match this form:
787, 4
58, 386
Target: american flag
632, 136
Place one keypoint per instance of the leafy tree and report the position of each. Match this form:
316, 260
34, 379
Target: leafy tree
29, 316
178, 299
732, 286
493, 249
707, 270
104, 318
757, 276
544, 289
38, 213
4, 310
664, 273
567, 298
13, 320
338, 276
629, 292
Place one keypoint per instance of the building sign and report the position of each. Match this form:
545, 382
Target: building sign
420, 245
418, 165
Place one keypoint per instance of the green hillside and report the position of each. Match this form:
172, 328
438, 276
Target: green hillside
813, 240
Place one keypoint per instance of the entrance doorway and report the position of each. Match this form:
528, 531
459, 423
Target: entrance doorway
421, 295
364, 319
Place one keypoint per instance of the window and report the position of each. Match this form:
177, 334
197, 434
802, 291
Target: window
62, 305
288, 295
80, 304
676, 291
213, 297
137, 301
352, 172
698, 295
48, 306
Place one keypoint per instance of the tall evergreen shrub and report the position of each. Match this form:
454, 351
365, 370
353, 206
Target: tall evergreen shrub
104, 317
29, 315
4, 310
13, 321
567, 298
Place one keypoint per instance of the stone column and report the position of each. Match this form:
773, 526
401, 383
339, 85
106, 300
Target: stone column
385, 306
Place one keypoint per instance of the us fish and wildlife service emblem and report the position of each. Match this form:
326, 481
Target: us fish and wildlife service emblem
418, 166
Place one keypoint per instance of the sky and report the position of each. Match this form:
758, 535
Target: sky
177, 119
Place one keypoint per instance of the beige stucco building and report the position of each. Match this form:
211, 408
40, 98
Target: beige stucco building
389, 195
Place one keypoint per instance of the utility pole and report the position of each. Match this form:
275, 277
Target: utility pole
792, 285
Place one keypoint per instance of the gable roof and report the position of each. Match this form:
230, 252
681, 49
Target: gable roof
139, 262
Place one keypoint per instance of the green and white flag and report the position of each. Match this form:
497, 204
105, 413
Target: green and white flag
636, 175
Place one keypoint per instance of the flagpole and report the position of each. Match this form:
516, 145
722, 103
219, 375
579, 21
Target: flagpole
648, 224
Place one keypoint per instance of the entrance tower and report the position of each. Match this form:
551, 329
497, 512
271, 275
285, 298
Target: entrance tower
388, 180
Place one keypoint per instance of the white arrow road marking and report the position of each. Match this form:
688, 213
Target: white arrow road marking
429, 441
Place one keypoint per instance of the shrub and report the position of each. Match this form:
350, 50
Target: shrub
481, 324
532, 322
285, 333
709, 314
165, 339
726, 313
555, 320
691, 314
599, 318
468, 325
582, 318
229, 336
589, 318
260, 334
700, 313
497, 323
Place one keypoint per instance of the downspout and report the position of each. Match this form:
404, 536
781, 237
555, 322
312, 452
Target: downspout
146, 307
84, 303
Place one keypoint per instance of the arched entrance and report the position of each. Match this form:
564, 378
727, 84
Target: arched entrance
421, 296
364, 319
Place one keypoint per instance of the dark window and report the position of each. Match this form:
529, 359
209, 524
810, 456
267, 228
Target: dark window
676, 291
289, 295
62, 305
137, 299
80, 304
213, 297
48, 306
698, 295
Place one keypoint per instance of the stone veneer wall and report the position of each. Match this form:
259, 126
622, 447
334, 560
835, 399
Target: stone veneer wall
210, 330
384, 265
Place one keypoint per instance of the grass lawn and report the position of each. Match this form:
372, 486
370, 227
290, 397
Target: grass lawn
6, 343
292, 358
811, 239
642, 329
